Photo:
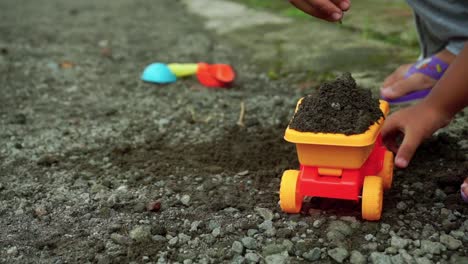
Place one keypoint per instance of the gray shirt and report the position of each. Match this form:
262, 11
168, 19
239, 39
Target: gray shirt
441, 24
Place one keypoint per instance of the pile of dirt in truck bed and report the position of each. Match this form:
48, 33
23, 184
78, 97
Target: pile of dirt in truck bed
339, 106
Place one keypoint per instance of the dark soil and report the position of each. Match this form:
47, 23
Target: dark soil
339, 106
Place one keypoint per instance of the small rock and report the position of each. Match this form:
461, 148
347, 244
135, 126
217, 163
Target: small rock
398, 242
397, 259
238, 259
185, 199
313, 255
18, 119
277, 259
252, 257
267, 224
13, 251
265, 213
341, 227
243, 173
249, 243
357, 258
120, 239
183, 238
380, 258
237, 247
158, 238
385, 228
450, 242
401, 206
369, 237
153, 206
173, 241
272, 249
47, 160
141, 233
194, 226
406, 257
391, 250
285, 233
432, 247
338, 254
318, 223
40, 211
423, 260
440, 195
216, 232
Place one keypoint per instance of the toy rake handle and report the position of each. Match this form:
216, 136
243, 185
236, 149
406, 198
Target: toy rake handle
183, 69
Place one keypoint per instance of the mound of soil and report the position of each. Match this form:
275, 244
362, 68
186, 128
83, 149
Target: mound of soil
337, 107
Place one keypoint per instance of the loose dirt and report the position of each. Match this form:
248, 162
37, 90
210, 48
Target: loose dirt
339, 106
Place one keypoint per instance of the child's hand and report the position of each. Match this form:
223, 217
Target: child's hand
330, 10
415, 123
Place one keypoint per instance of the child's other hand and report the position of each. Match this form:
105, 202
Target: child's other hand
330, 10
414, 123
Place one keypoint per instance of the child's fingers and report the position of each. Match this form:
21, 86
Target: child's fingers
328, 8
322, 9
407, 149
391, 131
344, 5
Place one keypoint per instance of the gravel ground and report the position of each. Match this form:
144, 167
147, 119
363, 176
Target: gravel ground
96, 166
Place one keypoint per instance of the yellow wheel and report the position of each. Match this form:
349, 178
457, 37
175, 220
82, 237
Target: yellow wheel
372, 198
290, 200
387, 170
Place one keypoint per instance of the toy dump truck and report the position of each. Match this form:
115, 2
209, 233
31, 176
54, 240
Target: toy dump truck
339, 166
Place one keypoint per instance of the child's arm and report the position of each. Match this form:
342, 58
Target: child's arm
448, 97
330, 10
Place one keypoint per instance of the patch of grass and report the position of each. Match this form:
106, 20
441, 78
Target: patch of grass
366, 29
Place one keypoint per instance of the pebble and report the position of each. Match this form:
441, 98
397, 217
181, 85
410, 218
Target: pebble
440, 195
40, 211
277, 259
216, 232
313, 255
401, 206
397, 259
120, 239
398, 242
284, 233
194, 226
183, 238
450, 242
341, 227
185, 199
338, 254
141, 233
237, 247
238, 259
272, 249
380, 258
432, 247
266, 225
369, 237
173, 241
153, 206
423, 260
249, 243
406, 257
265, 213
357, 258
12, 251
318, 223
252, 257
